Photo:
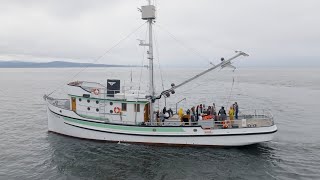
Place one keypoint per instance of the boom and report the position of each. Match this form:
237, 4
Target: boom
222, 64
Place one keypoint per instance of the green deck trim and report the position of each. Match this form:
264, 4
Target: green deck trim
112, 100
126, 128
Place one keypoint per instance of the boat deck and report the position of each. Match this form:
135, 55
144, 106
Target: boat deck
246, 119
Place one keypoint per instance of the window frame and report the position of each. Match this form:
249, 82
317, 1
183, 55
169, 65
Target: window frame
136, 108
124, 107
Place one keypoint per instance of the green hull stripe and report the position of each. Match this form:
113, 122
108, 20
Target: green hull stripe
93, 117
126, 128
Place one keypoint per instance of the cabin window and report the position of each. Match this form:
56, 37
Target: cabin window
123, 106
88, 100
97, 102
111, 111
136, 107
88, 108
97, 110
80, 99
111, 103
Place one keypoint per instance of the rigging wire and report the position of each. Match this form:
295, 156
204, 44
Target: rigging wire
158, 57
143, 54
160, 69
230, 92
99, 57
196, 52
199, 84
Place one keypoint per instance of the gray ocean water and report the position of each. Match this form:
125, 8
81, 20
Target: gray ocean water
28, 151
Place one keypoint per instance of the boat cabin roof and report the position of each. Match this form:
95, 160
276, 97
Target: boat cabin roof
90, 87
86, 84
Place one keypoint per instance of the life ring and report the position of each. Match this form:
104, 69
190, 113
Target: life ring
96, 91
116, 110
226, 124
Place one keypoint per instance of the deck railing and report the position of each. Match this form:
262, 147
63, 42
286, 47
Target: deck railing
246, 119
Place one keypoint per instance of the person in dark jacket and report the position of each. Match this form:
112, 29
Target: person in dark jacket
222, 114
236, 109
197, 113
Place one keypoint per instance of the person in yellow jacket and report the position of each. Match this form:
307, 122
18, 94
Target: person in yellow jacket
180, 112
231, 113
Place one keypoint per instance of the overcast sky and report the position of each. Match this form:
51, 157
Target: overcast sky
273, 32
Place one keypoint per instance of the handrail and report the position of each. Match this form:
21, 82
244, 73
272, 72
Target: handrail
211, 124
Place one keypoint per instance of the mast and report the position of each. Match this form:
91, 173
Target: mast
148, 13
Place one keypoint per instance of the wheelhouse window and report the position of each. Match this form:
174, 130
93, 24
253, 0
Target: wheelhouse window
123, 106
136, 107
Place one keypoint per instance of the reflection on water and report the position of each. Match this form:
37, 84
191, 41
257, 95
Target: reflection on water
91, 159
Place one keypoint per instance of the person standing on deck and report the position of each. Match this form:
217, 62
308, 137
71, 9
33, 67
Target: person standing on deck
193, 114
193, 111
197, 113
209, 111
236, 109
222, 114
214, 108
231, 113
180, 112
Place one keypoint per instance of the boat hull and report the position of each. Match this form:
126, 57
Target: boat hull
62, 122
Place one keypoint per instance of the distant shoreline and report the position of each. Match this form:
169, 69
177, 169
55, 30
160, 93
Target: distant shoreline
55, 64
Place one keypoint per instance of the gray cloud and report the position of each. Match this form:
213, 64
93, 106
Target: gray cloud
272, 32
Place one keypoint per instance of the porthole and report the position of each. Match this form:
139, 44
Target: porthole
80, 99
111, 111
154, 130
97, 102
111, 103
88, 100
88, 108
195, 130
97, 110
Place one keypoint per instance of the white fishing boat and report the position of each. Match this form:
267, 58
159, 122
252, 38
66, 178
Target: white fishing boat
109, 113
